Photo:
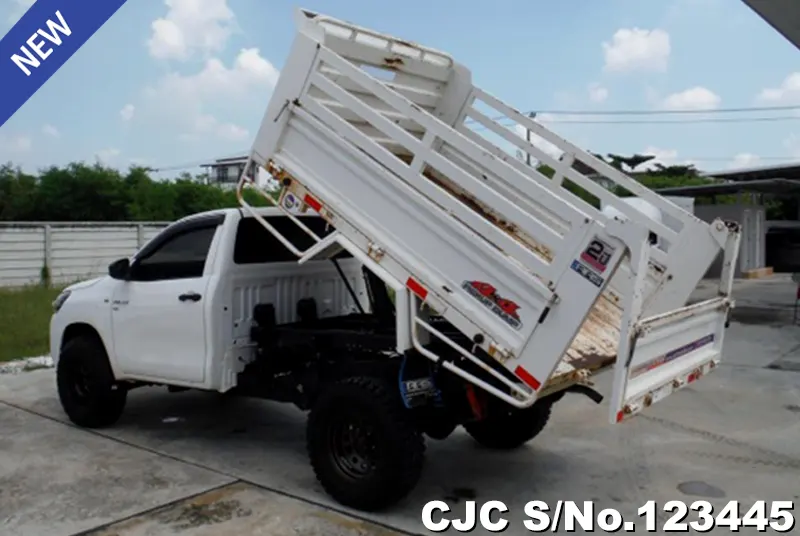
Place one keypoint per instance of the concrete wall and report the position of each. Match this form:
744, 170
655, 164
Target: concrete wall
72, 251
752, 251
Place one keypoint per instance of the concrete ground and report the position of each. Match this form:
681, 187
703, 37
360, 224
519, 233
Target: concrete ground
187, 464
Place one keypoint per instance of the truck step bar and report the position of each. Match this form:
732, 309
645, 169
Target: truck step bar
388, 141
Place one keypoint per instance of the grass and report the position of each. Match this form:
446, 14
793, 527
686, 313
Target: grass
25, 321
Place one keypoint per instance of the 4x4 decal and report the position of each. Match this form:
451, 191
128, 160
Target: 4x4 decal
488, 296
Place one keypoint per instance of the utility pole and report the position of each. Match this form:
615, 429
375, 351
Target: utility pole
532, 115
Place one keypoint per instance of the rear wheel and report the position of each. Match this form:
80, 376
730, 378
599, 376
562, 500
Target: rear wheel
363, 446
87, 389
509, 428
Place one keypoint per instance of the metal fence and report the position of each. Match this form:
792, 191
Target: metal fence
66, 252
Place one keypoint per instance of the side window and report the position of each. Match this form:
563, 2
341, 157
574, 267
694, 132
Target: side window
256, 245
180, 257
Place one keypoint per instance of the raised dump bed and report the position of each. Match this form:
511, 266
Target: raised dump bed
417, 170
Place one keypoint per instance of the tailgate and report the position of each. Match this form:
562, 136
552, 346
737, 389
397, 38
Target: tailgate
671, 351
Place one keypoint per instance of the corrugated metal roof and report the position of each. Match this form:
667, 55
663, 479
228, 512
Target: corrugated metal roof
764, 186
781, 171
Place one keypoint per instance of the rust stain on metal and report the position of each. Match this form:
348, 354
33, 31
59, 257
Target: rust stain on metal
595, 345
393, 62
277, 173
499, 221
375, 252
733, 226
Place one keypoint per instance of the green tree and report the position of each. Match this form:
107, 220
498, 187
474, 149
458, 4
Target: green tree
629, 162
17, 194
83, 192
687, 170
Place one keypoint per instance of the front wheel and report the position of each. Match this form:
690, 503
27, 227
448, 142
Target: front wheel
87, 389
363, 446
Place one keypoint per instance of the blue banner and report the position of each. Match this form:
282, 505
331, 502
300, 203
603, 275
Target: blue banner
46, 36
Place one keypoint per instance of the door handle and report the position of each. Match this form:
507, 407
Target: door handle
190, 296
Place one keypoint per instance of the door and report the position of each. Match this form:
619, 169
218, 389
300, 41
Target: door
158, 312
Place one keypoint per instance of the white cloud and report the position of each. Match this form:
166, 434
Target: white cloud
787, 93
208, 125
17, 144
539, 142
191, 26
194, 103
186, 98
665, 157
695, 98
744, 160
50, 130
635, 49
107, 155
126, 113
249, 71
597, 93
662, 156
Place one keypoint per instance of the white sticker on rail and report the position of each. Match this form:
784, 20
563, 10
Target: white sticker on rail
672, 355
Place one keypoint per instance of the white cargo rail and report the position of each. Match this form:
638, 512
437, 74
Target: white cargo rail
376, 135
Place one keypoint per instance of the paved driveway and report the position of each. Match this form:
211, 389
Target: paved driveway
185, 463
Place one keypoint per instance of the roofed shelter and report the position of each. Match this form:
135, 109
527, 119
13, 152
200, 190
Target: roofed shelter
766, 245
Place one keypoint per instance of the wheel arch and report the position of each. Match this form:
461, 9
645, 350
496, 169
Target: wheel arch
78, 329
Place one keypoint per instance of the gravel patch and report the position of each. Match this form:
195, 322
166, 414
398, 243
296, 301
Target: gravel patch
26, 364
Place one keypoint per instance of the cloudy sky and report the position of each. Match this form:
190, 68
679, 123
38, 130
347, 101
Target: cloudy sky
170, 83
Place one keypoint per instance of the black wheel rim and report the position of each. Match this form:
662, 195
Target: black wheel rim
353, 446
81, 385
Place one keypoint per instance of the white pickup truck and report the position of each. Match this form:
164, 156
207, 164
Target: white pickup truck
413, 276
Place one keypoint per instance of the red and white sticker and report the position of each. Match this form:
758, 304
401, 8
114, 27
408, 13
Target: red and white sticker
597, 255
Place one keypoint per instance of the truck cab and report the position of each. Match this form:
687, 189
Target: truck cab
184, 302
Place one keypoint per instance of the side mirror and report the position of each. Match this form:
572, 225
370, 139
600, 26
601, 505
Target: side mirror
119, 269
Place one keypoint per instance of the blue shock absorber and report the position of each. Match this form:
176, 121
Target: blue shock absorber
401, 384
404, 392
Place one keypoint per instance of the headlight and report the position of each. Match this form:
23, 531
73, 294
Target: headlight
59, 301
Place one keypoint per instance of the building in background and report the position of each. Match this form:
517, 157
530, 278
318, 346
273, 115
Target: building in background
768, 245
225, 172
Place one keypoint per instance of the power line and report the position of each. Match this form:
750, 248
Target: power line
198, 163
767, 119
672, 112
726, 158
682, 158
195, 163
177, 167
677, 122
502, 118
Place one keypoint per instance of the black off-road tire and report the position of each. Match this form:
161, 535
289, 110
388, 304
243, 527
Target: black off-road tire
385, 460
509, 428
87, 389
